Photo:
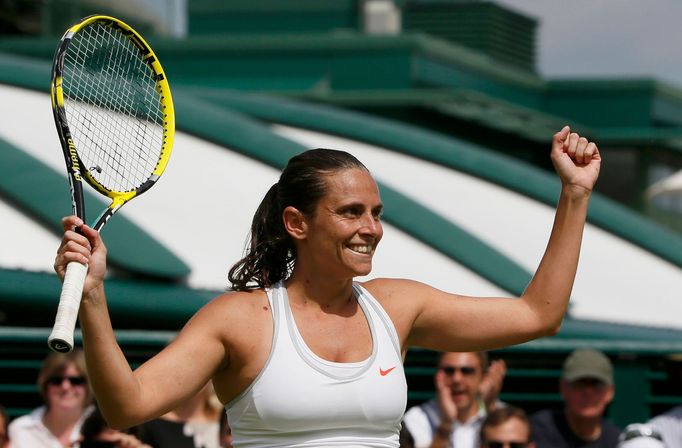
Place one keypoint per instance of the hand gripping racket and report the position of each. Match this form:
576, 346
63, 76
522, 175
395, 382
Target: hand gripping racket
114, 115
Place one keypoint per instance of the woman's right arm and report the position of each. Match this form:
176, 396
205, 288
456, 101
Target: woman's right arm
128, 397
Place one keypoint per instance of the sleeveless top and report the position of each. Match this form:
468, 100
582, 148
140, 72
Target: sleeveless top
301, 400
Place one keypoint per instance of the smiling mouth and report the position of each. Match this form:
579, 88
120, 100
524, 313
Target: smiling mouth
364, 249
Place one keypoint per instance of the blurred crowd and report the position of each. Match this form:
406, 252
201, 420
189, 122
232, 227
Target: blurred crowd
69, 417
465, 413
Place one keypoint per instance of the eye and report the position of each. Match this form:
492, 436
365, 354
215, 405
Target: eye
378, 213
351, 211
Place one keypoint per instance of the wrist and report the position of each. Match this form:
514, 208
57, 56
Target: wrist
573, 191
444, 430
94, 296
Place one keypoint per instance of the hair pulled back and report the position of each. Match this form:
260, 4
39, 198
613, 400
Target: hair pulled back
271, 253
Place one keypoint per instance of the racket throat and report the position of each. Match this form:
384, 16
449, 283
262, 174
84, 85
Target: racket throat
109, 212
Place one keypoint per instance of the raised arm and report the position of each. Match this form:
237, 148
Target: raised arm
128, 397
433, 319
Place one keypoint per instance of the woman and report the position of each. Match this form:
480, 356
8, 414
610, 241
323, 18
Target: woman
63, 385
195, 423
4, 420
302, 355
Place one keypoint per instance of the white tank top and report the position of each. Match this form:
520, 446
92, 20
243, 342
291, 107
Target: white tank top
302, 400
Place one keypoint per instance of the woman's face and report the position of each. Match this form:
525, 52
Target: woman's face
68, 391
346, 228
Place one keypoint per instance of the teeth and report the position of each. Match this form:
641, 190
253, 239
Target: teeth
361, 249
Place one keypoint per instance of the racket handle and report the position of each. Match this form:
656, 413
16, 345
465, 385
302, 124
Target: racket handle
61, 338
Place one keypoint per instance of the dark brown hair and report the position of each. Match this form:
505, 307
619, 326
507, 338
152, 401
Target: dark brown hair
271, 253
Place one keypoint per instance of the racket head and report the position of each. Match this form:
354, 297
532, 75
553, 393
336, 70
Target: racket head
113, 109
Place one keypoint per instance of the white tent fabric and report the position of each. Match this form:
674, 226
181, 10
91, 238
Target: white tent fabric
667, 186
617, 281
207, 231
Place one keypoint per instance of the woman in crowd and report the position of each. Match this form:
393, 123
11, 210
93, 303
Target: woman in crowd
63, 385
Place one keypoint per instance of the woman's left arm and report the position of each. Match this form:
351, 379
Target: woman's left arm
433, 319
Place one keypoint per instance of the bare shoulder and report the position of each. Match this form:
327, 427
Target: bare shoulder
241, 322
395, 289
235, 309
402, 300
232, 316
238, 300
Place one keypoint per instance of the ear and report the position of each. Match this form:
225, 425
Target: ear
295, 223
611, 391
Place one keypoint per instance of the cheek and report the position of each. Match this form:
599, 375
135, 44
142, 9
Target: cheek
51, 392
572, 401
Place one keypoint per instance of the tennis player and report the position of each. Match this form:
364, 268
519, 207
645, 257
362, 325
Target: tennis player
302, 355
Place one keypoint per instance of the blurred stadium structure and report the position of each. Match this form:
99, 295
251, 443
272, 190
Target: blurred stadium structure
440, 98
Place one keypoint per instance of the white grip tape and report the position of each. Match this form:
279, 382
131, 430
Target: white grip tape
61, 338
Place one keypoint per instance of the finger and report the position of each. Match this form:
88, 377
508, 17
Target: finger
560, 137
71, 236
71, 222
129, 441
74, 252
572, 144
590, 152
497, 368
580, 150
92, 236
440, 379
63, 260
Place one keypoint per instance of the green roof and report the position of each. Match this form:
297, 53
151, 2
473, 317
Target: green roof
43, 194
457, 154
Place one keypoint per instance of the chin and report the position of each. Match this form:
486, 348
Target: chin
364, 271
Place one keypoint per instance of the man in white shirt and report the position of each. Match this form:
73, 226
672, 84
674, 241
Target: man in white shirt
669, 425
466, 388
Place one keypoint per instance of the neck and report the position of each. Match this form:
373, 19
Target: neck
327, 295
465, 414
61, 422
585, 428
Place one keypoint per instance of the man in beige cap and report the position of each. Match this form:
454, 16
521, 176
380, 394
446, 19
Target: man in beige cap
587, 388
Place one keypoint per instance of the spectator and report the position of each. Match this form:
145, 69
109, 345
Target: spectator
669, 425
4, 438
193, 424
63, 385
225, 431
95, 433
465, 390
587, 389
638, 435
506, 427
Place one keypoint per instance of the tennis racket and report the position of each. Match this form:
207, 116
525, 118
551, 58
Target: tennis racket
114, 115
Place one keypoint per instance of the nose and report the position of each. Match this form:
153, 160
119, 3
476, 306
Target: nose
457, 376
370, 225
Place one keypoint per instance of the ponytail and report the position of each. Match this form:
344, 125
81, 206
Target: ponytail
271, 252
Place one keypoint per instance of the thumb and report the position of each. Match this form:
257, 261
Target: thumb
560, 137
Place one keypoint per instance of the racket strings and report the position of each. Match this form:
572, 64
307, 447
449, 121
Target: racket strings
113, 107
